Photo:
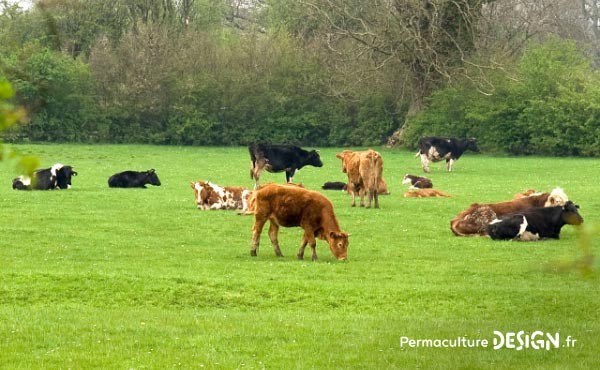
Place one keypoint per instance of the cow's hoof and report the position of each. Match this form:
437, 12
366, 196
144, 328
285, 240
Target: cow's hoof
300, 257
253, 253
314, 258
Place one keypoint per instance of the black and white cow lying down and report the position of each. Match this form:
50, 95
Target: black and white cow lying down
55, 177
436, 149
417, 182
535, 223
134, 179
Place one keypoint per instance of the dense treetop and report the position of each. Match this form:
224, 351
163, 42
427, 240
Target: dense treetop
519, 75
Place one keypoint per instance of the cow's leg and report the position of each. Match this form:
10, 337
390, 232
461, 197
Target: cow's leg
259, 223
352, 190
256, 170
376, 198
302, 247
369, 194
425, 162
449, 163
273, 231
309, 237
289, 176
313, 248
361, 194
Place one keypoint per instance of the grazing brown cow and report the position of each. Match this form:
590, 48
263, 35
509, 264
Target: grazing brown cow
474, 220
423, 193
212, 196
365, 173
290, 206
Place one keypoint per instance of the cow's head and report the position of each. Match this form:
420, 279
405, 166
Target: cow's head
472, 145
344, 158
202, 193
338, 243
571, 214
63, 176
197, 187
557, 197
314, 159
152, 177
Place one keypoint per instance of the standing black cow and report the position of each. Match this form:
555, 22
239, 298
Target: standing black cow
133, 179
55, 177
436, 149
279, 158
535, 223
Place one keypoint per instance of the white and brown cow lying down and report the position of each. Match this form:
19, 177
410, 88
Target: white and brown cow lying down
212, 196
535, 223
417, 182
292, 206
365, 173
474, 220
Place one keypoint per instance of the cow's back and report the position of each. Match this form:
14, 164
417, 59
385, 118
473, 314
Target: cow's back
371, 168
289, 205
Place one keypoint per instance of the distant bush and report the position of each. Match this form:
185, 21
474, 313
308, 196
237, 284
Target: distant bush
552, 109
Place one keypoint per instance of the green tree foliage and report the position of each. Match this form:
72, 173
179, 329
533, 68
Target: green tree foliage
319, 72
552, 109
9, 117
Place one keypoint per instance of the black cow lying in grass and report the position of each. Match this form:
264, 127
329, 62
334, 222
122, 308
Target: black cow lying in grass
133, 179
55, 177
334, 185
535, 223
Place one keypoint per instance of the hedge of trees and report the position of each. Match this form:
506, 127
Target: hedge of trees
320, 73
550, 107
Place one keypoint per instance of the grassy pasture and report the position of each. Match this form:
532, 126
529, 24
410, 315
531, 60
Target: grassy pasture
95, 277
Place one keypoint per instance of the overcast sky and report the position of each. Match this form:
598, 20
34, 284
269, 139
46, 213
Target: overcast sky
24, 3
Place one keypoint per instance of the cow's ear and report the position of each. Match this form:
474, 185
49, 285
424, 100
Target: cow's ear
152, 170
334, 234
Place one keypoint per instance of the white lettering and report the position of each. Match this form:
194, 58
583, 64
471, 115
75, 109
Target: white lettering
498, 340
521, 340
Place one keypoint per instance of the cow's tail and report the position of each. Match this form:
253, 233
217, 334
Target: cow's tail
252, 148
376, 163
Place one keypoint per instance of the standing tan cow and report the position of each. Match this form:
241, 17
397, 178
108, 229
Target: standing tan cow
365, 173
290, 206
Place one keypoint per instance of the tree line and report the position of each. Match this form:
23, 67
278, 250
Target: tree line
519, 75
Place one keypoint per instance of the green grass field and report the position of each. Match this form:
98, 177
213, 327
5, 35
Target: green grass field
94, 277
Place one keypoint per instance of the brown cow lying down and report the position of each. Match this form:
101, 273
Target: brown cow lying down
422, 193
212, 196
290, 206
365, 172
474, 220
